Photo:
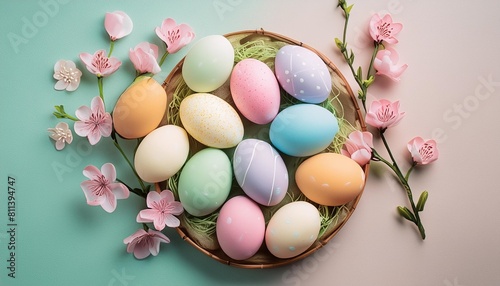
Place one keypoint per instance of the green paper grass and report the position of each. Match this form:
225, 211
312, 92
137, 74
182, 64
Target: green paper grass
265, 51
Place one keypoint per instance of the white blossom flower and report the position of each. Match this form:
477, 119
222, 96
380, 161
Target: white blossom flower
67, 74
61, 134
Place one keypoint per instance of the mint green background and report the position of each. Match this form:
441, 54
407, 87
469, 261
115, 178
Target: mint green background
60, 239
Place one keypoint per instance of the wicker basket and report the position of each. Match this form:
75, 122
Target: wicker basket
349, 110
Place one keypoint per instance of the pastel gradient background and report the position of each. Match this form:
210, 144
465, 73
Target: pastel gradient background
450, 92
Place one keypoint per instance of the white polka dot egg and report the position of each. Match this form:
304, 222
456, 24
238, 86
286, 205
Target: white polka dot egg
292, 229
303, 74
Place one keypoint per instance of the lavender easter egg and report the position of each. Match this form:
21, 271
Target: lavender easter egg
260, 171
303, 74
255, 91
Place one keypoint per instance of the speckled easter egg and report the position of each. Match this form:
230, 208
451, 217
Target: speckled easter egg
255, 91
211, 120
303, 74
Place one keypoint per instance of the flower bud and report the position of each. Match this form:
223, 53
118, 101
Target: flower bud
421, 201
405, 212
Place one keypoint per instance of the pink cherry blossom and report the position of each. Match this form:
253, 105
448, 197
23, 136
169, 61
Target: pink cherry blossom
359, 147
61, 134
383, 29
99, 64
423, 151
162, 208
175, 36
101, 188
144, 56
67, 75
143, 243
94, 121
118, 25
386, 63
383, 114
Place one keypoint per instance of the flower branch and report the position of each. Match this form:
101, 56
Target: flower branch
383, 113
102, 187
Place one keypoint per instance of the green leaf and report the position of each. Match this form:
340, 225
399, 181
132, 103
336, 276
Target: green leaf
406, 213
369, 81
59, 108
339, 44
351, 58
359, 73
360, 94
348, 9
422, 200
59, 113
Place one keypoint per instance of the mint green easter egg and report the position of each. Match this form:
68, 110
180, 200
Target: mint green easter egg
205, 182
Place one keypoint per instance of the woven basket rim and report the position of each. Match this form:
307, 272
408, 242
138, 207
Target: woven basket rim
322, 242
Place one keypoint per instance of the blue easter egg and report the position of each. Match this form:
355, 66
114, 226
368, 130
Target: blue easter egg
303, 130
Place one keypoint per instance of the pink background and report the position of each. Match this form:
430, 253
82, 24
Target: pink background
450, 92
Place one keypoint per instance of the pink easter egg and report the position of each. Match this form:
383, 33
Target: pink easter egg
255, 91
240, 228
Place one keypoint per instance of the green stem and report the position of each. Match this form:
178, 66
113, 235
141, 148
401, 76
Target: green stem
163, 58
100, 85
374, 54
403, 180
386, 144
410, 170
143, 187
65, 115
345, 24
363, 102
111, 48
135, 191
345, 53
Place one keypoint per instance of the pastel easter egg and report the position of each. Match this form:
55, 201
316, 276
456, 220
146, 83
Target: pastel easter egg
303, 130
205, 182
240, 228
260, 171
255, 91
303, 74
211, 120
330, 179
208, 63
161, 154
292, 229
140, 108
